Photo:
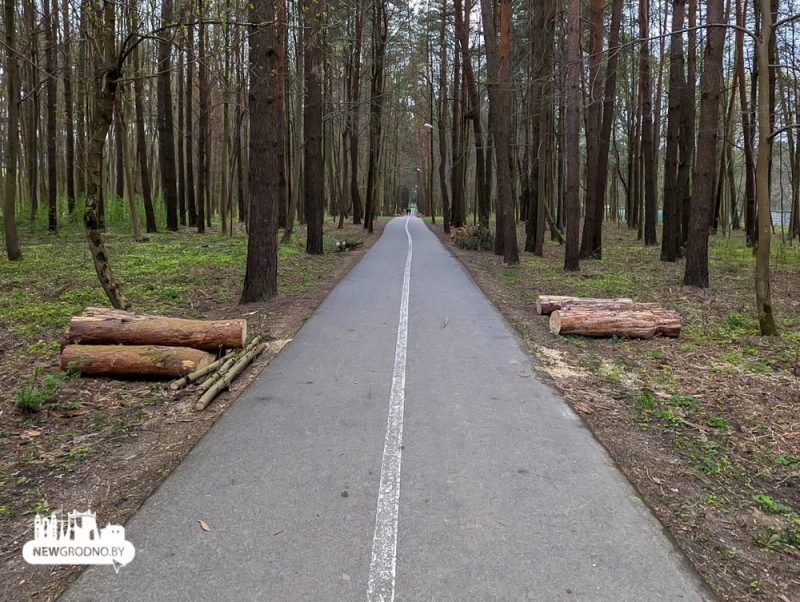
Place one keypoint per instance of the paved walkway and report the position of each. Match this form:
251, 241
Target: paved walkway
365, 464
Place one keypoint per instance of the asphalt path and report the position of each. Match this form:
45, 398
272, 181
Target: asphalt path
400, 447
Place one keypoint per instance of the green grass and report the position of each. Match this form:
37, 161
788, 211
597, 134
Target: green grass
30, 396
177, 272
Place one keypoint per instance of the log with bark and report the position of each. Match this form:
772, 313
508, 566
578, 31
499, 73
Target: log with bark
134, 360
547, 304
631, 323
98, 326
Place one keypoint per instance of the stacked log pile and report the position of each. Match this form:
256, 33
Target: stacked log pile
608, 317
209, 353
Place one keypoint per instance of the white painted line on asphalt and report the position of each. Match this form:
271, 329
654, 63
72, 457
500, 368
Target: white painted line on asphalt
380, 586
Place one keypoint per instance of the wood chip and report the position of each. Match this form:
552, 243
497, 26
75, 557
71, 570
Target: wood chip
204, 526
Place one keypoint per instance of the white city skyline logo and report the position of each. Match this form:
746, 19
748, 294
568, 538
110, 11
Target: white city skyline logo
77, 540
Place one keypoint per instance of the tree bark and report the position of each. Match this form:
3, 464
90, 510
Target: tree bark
107, 76
188, 129
766, 318
166, 141
202, 138
595, 243
141, 139
498, 58
482, 191
68, 110
52, 127
12, 135
380, 32
443, 155
747, 129
134, 360
571, 129
266, 71
353, 114
457, 207
648, 143
547, 304
99, 326
702, 205
180, 160
688, 128
593, 220
314, 184
677, 82
635, 324
32, 153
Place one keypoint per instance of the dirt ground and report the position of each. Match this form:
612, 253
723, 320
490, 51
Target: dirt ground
706, 426
107, 444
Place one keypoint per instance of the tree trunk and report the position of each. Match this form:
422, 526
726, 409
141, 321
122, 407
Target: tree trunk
12, 135
202, 139
708, 132
180, 160
32, 152
687, 136
766, 318
166, 142
188, 129
474, 115
119, 155
457, 208
533, 119
353, 114
571, 127
141, 139
314, 184
68, 112
498, 58
648, 143
677, 82
443, 155
107, 77
266, 71
52, 92
380, 32
747, 129
593, 221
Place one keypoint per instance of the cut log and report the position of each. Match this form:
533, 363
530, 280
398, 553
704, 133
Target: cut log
211, 368
134, 360
635, 324
610, 305
100, 326
242, 362
547, 304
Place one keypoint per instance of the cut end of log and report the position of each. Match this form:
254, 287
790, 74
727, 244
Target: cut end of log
555, 322
244, 332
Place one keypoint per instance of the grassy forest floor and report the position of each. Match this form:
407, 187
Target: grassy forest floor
707, 426
104, 443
